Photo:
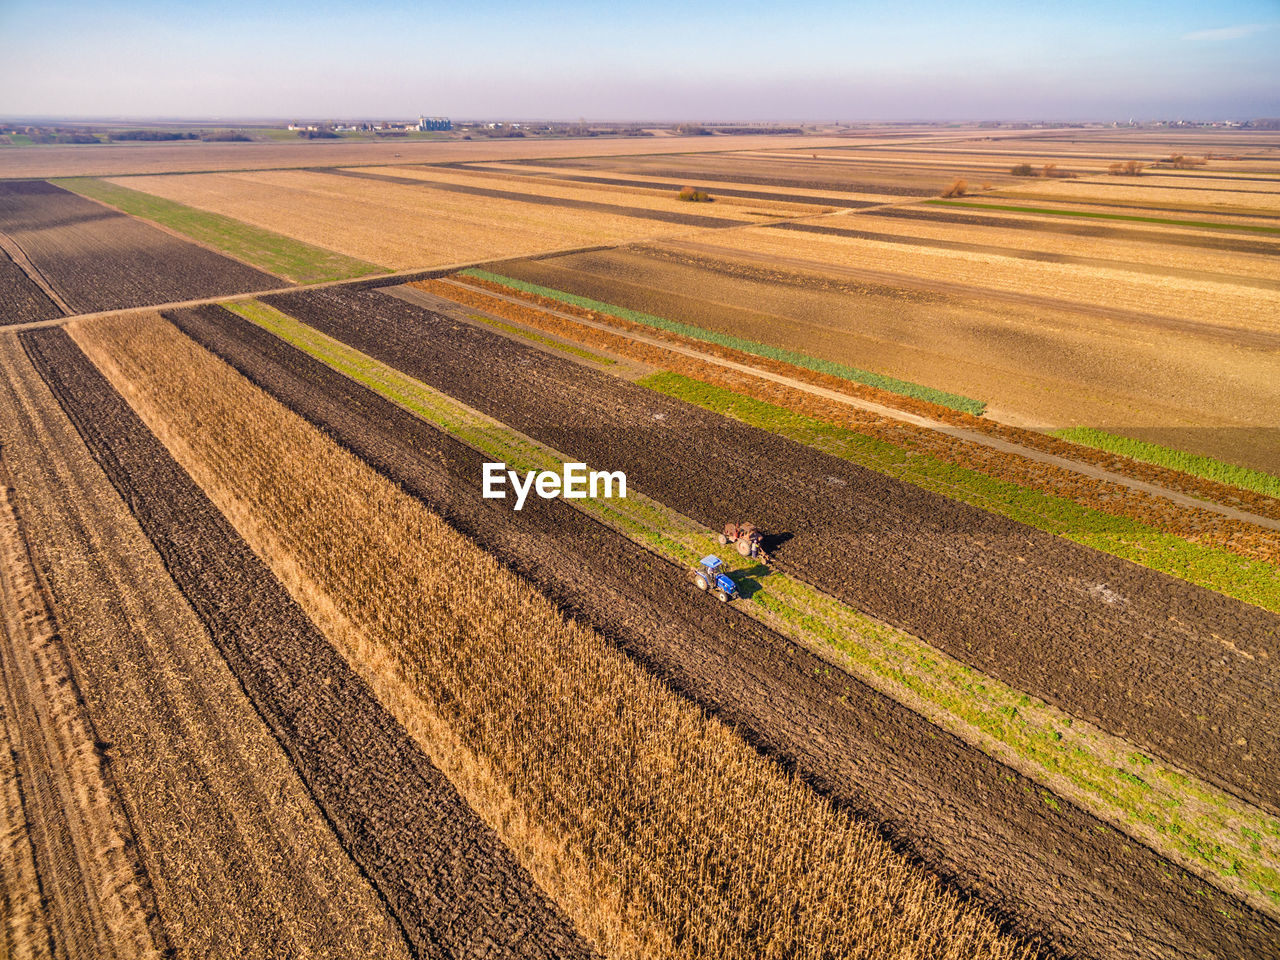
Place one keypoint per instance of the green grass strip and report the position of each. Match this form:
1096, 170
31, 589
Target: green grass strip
1107, 216
1184, 818
1240, 577
1181, 460
852, 374
545, 341
272, 252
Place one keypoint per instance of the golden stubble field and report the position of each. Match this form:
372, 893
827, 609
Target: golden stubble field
399, 225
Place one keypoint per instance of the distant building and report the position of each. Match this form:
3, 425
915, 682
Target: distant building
435, 123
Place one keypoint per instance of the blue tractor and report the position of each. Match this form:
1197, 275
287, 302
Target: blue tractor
710, 575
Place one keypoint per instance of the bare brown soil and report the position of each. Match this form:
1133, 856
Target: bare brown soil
21, 299
1052, 871
1179, 669
85, 894
99, 259
240, 859
444, 875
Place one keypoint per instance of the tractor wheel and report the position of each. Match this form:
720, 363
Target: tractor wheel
723, 539
699, 582
724, 597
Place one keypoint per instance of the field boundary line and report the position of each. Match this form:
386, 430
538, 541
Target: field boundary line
904, 416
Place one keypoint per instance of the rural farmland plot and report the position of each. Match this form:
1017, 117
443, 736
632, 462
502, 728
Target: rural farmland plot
278, 679
99, 259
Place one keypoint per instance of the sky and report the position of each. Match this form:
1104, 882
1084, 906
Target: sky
658, 61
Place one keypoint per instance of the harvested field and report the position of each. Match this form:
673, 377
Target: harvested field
445, 877
1167, 665
401, 225
656, 204
130, 158
239, 858
1157, 193
1121, 900
789, 170
82, 890
795, 199
1152, 259
99, 259
702, 847
21, 299
268, 251
1181, 237
1236, 309
1058, 367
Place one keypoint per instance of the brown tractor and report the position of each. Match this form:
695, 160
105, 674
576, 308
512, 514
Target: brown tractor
747, 539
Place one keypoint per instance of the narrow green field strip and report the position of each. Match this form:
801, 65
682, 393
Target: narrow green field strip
1106, 216
272, 252
1249, 580
545, 341
1192, 463
1213, 834
853, 374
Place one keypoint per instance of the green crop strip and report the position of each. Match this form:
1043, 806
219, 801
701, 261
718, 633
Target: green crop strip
1249, 580
272, 252
1192, 463
545, 341
1185, 819
1106, 216
852, 374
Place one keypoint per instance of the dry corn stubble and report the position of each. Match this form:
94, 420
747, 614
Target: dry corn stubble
680, 840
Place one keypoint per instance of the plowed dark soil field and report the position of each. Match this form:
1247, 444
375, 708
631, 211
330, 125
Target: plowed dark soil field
453, 887
21, 299
99, 259
1056, 873
1176, 669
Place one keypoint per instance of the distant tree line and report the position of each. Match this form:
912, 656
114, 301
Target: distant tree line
151, 135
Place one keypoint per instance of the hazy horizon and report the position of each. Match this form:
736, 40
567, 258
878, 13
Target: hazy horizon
747, 62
